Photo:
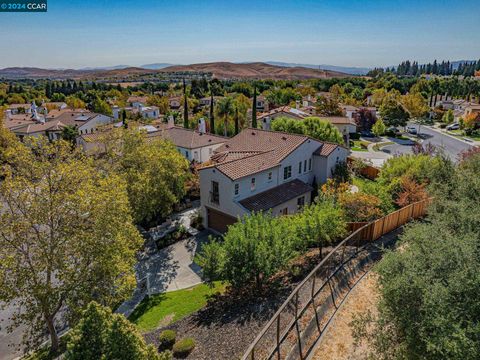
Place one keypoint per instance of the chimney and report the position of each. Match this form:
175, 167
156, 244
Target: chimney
171, 121
8, 114
115, 110
297, 104
305, 103
266, 123
202, 128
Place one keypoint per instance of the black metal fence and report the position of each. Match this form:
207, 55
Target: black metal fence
303, 317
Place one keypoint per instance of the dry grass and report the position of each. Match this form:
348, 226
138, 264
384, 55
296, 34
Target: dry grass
337, 342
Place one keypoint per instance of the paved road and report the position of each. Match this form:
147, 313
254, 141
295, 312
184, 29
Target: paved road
450, 145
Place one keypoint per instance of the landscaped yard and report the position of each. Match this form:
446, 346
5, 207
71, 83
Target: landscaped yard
163, 309
357, 145
461, 133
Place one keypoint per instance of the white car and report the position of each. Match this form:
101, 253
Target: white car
454, 126
412, 130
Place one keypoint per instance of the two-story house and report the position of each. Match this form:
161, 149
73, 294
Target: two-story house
259, 170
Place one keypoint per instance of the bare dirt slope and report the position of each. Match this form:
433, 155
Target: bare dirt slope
337, 342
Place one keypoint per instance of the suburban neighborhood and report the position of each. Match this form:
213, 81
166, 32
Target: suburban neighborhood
204, 202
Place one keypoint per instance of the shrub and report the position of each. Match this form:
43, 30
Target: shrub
166, 339
360, 207
183, 348
354, 136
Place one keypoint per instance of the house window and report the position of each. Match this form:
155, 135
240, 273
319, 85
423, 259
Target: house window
301, 202
210, 151
214, 193
237, 189
309, 164
300, 167
284, 211
287, 172
305, 166
186, 154
270, 176
252, 184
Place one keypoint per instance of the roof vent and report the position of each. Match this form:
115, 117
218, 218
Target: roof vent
284, 138
254, 133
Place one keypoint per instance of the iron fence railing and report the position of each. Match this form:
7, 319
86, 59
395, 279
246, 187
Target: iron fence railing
294, 329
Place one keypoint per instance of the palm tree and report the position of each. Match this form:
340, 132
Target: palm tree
225, 108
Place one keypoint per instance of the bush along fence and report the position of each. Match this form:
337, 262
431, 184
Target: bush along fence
301, 320
367, 171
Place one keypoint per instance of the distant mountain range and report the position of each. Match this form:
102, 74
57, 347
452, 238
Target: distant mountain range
220, 70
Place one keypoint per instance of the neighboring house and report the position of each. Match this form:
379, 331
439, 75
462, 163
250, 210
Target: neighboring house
309, 101
349, 110
53, 124
345, 125
194, 145
259, 170
205, 101
146, 112
471, 109
137, 101
20, 108
175, 102
262, 104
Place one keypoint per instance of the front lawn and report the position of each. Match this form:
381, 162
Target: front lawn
166, 308
359, 145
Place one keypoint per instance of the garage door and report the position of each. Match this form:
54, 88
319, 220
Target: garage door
219, 221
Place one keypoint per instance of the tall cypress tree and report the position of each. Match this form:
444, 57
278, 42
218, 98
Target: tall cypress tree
254, 107
185, 106
212, 118
237, 125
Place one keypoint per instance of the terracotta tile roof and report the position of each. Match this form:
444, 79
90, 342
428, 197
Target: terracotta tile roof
325, 149
188, 139
255, 150
337, 120
141, 99
278, 195
18, 106
15, 121
287, 110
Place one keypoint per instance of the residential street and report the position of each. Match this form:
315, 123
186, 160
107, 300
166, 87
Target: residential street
452, 146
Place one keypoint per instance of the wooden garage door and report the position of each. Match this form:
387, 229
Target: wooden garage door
219, 221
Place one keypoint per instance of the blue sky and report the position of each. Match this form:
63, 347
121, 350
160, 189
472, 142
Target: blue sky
348, 33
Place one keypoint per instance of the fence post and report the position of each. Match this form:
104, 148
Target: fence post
297, 327
278, 337
313, 305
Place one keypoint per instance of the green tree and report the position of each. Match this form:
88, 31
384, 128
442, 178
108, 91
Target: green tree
100, 106
392, 112
322, 130
66, 237
225, 109
154, 170
379, 128
69, 134
288, 125
415, 104
103, 335
448, 117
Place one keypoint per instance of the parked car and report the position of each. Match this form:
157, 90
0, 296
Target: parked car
412, 130
367, 133
454, 126
393, 131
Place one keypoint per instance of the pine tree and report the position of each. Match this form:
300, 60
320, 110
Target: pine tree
254, 107
185, 106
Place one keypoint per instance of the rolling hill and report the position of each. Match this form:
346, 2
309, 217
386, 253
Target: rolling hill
220, 70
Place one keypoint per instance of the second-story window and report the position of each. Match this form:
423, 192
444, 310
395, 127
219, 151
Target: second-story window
237, 189
215, 193
305, 166
287, 172
300, 167
309, 164
270, 176
252, 184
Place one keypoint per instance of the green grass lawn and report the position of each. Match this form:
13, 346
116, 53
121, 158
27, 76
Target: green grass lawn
357, 145
461, 133
163, 309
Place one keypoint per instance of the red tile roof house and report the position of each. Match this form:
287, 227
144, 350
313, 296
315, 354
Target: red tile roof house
260, 170
195, 145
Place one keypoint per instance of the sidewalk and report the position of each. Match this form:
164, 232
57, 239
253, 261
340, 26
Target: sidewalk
459, 138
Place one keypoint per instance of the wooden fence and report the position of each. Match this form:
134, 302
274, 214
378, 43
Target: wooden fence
368, 171
297, 325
